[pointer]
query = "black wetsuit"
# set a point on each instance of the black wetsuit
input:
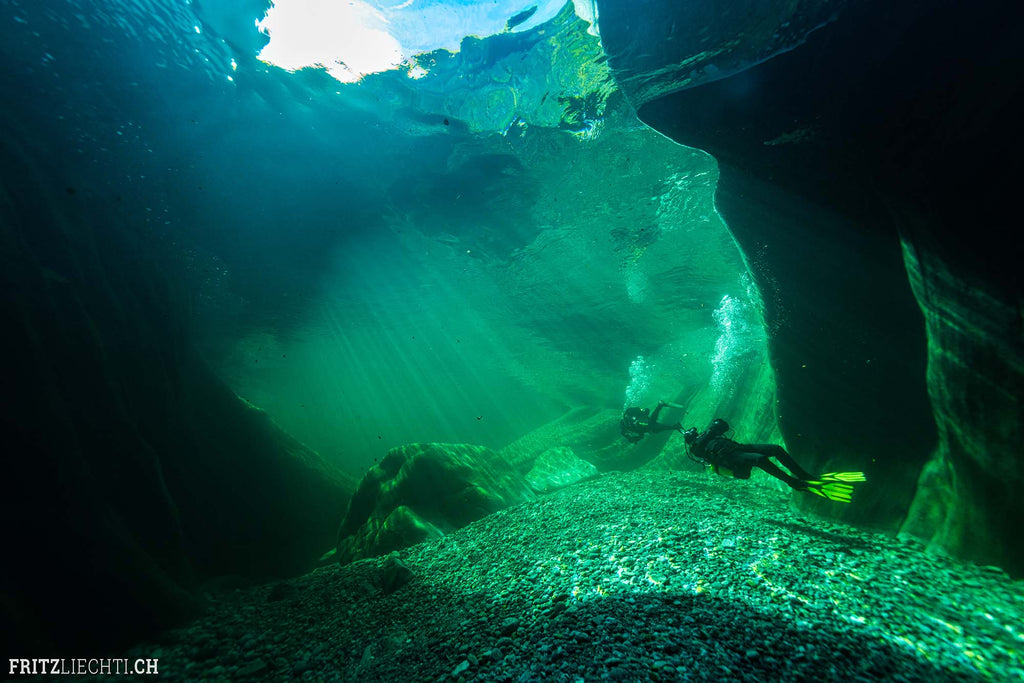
(740, 458)
(636, 422)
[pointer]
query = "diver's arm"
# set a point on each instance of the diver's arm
(663, 404)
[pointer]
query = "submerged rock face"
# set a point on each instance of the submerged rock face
(968, 497)
(557, 468)
(422, 491)
(591, 434)
(131, 472)
(887, 124)
(716, 38)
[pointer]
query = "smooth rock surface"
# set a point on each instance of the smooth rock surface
(557, 468)
(422, 491)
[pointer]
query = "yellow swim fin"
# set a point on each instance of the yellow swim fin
(833, 490)
(843, 476)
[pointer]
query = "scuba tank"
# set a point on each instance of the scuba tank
(715, 430)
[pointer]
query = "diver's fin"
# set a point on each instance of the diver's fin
(833, 490)
(843, 476)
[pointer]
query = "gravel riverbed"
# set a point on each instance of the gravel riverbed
(630, 577)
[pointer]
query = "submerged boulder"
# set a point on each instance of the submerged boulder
(557, 468)
(422, 491)
(591, 433)
(400, 528)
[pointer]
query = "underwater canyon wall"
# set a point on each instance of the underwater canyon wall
(132, 474)
(868, 158)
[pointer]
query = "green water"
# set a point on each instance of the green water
(493, 299)
(521, 240)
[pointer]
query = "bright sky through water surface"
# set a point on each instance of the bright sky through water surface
(352, 38)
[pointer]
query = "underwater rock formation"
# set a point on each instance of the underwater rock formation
(132, 473)
(827, 162)
(557, 468)
(968, 494)
(592, 434)
(422, 491)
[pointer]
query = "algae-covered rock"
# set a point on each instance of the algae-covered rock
(557, 468)
(421, 491)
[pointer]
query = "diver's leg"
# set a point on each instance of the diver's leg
(770, 467)
(780, 454)
(654, 415)
(739, 463)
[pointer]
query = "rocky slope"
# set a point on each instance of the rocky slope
(639, 576)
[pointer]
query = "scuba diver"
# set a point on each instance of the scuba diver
(636, 422)
(729, 458)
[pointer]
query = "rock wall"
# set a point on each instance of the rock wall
(888, 125)
(967, 498)
(131, 473)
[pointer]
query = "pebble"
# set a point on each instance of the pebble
(509, 626)
(253, 668)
